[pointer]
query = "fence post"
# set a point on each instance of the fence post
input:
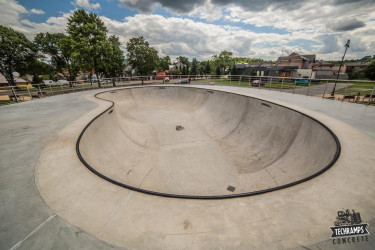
(294, 89)
(28, 91)
(282, 84)
(239, 80)
(50, 89)
(347, 85)
(372, 93)
(324, 93)
(40, 91)
(271, 83)
(14, 94)
(308, 88)
(62, 91)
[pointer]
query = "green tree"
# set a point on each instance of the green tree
(37, 68)
(233, 69)
(218, 70)
(184, 70)
(164, 63)
(194, 67)
(111, 57)
(208, 68)
(370, 70)
(183, 60)
(16, 52)
(223, 60)
(59, 49)
(89, 37)
(141, 56)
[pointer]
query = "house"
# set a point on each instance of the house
(128, 70)
(327, 70)
(295, 59)
(17, 80)
(356, 65)
(176, 66)
(254, 68)
(162, 74)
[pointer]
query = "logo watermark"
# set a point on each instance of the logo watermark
(349, 228)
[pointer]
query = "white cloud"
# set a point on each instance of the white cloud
(36, 11)
(175, 36)
(86, 4)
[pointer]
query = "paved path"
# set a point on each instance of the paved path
(26, 222)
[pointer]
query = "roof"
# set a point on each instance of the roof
(361, 63)
(16, 79)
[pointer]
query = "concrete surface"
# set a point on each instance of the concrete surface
(82, 211)
(25, 128)
(227, 140)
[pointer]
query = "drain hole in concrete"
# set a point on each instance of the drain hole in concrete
(231, 188)
(179, 127)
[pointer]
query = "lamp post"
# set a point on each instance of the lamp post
(347, 45)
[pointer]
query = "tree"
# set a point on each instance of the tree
(16, 51)
(141, 56)
(194, 67)
(88, 34)
(37, 68)
(183, 60)
(233, 69)
(208, 68)
(184, 71)
(164, 63)
(370, 70)
(223, 60)
(112, 57)
(59, 49)
(218, 70)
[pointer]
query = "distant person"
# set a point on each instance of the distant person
(189, 79)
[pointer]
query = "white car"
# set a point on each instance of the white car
(62, 82)
(49, 82)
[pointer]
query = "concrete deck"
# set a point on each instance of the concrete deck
(70, 207)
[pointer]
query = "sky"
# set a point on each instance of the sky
(263, 29)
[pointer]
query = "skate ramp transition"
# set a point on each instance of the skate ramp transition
(197, 143)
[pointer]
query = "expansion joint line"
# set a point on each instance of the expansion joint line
(16, 246)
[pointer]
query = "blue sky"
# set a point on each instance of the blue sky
(201, 28)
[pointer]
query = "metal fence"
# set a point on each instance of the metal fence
(358, 91)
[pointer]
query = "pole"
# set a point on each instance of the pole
(347, 45)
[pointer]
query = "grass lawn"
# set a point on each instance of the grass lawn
(6, 102)
(274, 85)
(364, 88)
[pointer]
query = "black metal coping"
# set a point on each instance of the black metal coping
(206, 197)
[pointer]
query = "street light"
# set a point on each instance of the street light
(347, 45)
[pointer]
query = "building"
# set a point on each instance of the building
(356, 65)
(176, 66)
(295, 59)
(327, 70)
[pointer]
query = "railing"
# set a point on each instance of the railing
(356, 91)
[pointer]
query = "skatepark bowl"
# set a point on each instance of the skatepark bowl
(195, 143)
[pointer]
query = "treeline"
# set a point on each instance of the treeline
(223, 63)
(87, 47)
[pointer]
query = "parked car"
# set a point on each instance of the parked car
(183, 81)
(49, 82)
(302, 82)
(257, 83)
(62, 82)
